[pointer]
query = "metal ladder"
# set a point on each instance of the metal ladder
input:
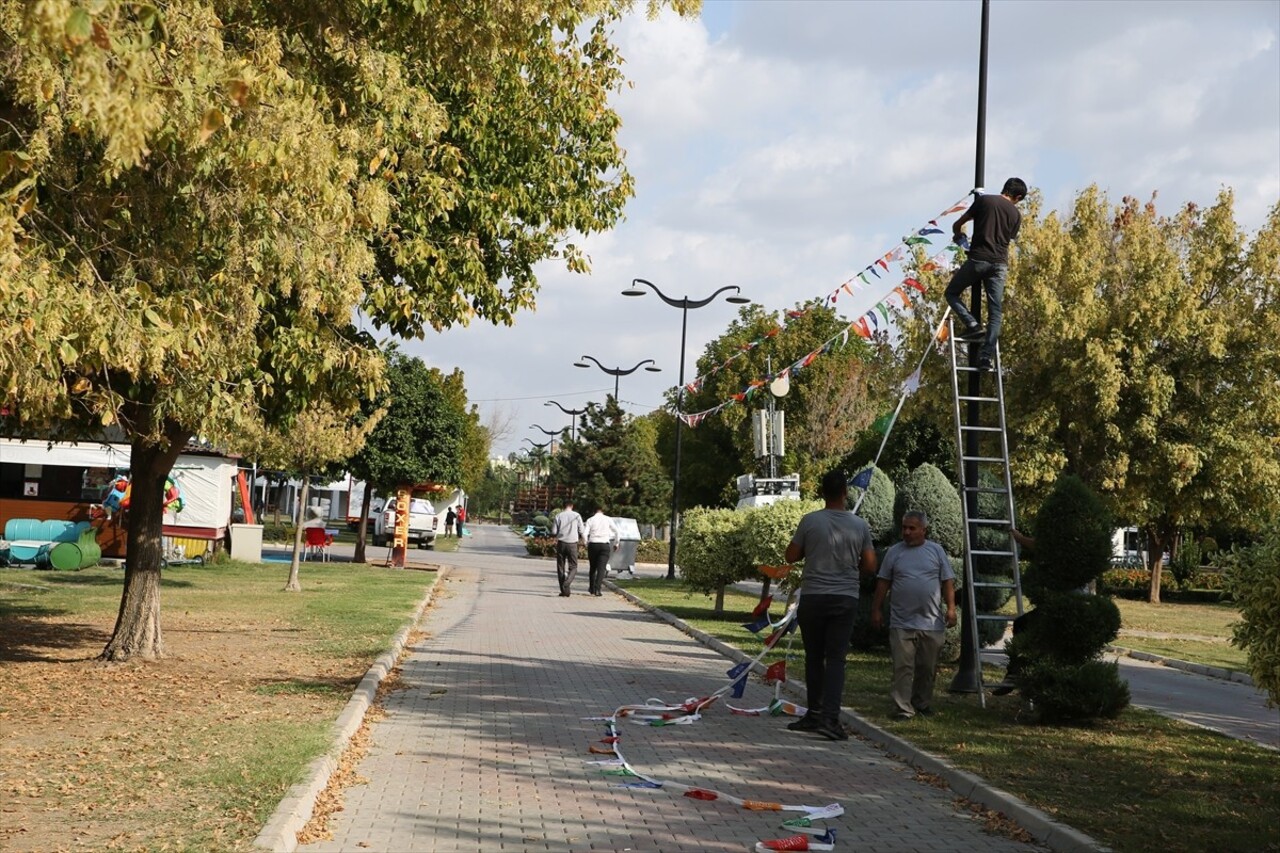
(986, 459)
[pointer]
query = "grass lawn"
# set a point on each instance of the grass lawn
(1201, 633)
(194, 751)
(1138, 783)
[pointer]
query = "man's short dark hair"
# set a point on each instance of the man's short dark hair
(834, 485)
(1015, 188)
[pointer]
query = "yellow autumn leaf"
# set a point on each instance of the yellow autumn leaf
(213, 119)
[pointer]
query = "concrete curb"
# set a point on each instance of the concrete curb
(1052, 833)
(280, 834)
(1186, 666)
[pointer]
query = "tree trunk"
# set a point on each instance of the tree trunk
(1157, 540)
(137, 631)
(293, 585)
(362, 532)
(720, 600)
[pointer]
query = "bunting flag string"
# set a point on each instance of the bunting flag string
(657, 713)
(852, 285)
(864, 326)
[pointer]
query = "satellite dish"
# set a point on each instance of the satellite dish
(780, 386)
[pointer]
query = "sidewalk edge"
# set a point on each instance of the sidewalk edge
(1218, 672)
(280, 833)
(1048, 831)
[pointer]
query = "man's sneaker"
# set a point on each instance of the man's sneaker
(925, 712)
(804, 724)
(831, 731)
(972, 333)
(983, 363)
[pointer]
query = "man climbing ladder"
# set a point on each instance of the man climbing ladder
(995, 224)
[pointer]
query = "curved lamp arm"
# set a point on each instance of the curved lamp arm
(570, 412)
(686, 302)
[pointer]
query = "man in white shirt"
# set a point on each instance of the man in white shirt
(568, 530)
(602, 537)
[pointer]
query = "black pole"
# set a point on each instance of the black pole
(675, 486)
(968, 677)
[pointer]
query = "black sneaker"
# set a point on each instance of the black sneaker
(983, 363)
(831, 731)
(972, 333)
(925, 712)
(804, 724)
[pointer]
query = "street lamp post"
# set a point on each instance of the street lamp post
(617, 372)
(546, 431)
(684, 305)
(573, 413)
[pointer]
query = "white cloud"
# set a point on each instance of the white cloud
(796, 142)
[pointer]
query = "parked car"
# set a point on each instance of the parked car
(422, 522)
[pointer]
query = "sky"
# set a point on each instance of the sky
(783, 146)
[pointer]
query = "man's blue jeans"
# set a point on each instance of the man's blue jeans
(991, 277)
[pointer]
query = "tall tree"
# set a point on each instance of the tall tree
(830, 400)
(419, 440)
(195, 198)
(614, 465)
(318, 436)
(473, 450)
(1142, 353)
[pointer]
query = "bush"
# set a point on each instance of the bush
(1068, 628)
(545, 546)
(1066, 693)
(1073, 538)
(710, 549)
(928, 489)
(767, 530)
(1253, 578)
(877, 508)
(653, 551)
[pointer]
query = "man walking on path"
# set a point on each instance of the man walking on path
(919, 574)
(996, 220)
(569, 531)
(602, 538)
(834, 544)
(449, 518)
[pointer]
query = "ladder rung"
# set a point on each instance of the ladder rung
(960, 368)
(989, 490)
(996, 617)
(996, 585)
(988, 521)
(982, 458)
(991, 553)
(980, 399)
(980, 429)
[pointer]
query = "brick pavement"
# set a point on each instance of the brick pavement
(486, 750)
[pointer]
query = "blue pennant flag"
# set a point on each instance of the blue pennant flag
(759, 625)
(738, 669)
(739, 687)
(862, 479)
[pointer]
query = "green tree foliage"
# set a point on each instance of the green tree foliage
(1253, 578)
(1141, 353)
(614, 464)
(829, 404)
(418, 441)
(711, 550)
(473, 446)
(1147, 351)
(1073, 538)
(767, 530)
(196, 197)
(876, 508)
(1055, 660)
(928, 489)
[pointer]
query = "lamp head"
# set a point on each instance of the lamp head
(580, 364)
(737, 299)
(652, 369)
(633, 291)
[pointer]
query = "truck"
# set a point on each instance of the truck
(762, 491)
(423, 522)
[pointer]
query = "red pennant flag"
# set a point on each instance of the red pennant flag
(763, 607)
(860, 326)
(776, 672)
(911, 282)
(956, 209)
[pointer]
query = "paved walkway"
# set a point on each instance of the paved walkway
(485, 748)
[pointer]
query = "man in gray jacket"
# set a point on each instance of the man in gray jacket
(569, 531)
